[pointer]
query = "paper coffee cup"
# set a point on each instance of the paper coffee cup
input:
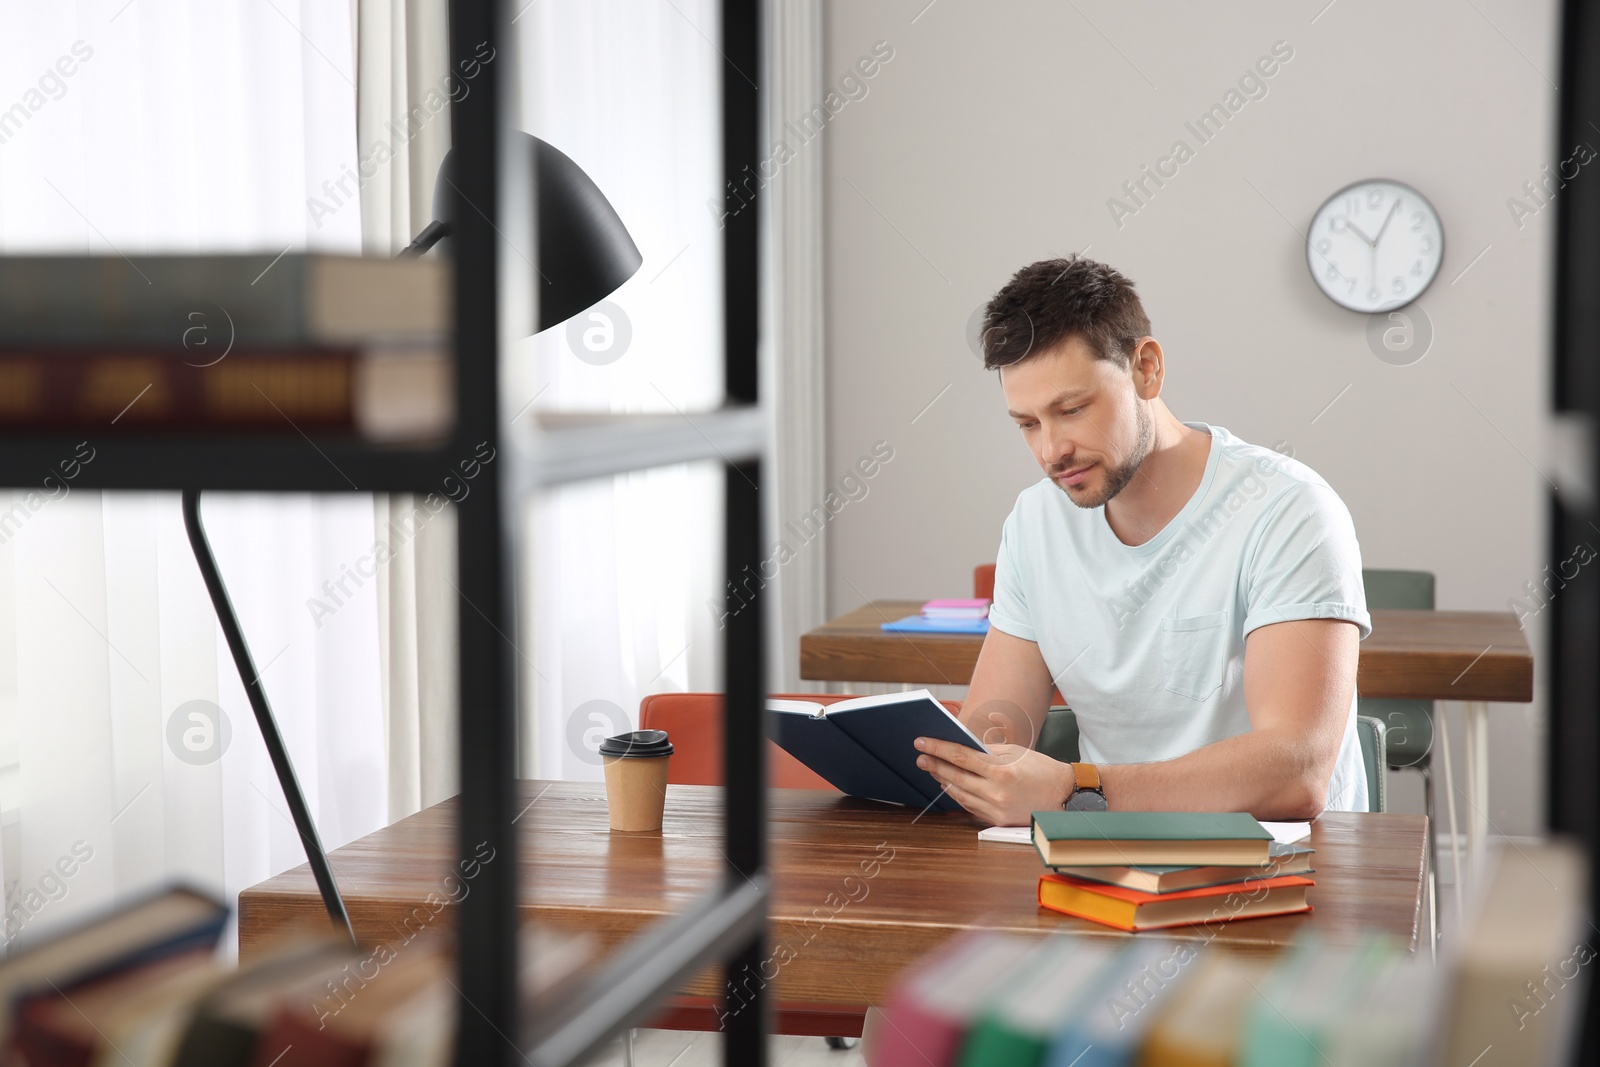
(636, 778)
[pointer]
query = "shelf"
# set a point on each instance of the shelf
(629, 989)
(575, 448)
(230, 464)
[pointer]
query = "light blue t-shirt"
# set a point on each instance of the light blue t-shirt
(1146, 642)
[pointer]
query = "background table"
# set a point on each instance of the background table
(1470, 656)
(849, 931)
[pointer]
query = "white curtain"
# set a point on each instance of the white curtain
(403, 128)
(623, 569)
(182, 126)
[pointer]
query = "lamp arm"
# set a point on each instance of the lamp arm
(431, 234)
(276, 750)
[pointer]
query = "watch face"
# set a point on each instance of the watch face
(1375, 246)
(1086, 800)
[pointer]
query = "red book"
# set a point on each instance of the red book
(1130, 909)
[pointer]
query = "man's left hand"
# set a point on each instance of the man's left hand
(1004, 786)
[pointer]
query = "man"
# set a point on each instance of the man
(1196, 599)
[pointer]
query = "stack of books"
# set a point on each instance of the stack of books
(1139, 870)
(143, 986)
(946, 616)
(283, 344)
(1495, 998)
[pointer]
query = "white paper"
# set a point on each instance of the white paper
(1011, 835)
(1285, 833)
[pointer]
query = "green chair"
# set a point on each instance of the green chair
(1408, 723)
(1374, 760)
(1059, 738)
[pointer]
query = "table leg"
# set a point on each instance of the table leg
(1478, 787)
(1441, 723)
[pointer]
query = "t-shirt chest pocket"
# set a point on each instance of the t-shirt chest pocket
(1194, 653)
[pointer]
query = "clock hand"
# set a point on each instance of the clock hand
(1352, 227)
(1386, 219)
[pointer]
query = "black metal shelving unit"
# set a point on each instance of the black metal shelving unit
(1573, 669)
(729, 924)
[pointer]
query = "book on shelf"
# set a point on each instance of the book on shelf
(1394, 1020)
(1522, 958)
(1294, 1020)
(865, 747)
(381, 393)
(1021, 1021)
(201, 303)
(1283, 859)
(147, 930)
(1131, 910)
(227, 1022)
(1133, 838)
(1110, 1030)
(352, 1021)
(134, 1017)
(1367, 1001)
(1204, 1024)
(930, 1010)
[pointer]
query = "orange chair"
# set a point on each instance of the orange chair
(983, 588)
(983, 581)
(694, 723)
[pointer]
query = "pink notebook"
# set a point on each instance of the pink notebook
(976, 608)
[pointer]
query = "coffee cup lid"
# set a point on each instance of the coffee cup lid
(640, 744)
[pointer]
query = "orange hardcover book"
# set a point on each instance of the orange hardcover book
(1130, 909)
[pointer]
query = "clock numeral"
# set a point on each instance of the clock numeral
(1374, 199)
(1416, 268)
(1352, 205)
(1323, 245)
(1352, 282)
(1427, 245)
(1373, 294)
(1416, 222)
(1338, 224)
(1333, 272)
(1399, 286)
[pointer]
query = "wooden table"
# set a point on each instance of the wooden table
(850, 931)
(1470, 656)
(1421, 655)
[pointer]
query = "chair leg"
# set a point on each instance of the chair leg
(627, 1047)
(1433, 863)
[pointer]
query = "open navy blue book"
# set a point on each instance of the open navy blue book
(864, 747)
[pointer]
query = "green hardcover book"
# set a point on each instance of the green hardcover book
(1017, 1028)
(1296, 1018)
(1165, 838)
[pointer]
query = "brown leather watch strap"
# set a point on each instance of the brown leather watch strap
(1086, 775)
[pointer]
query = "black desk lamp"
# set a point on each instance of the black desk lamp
(590, 255)
(579, 232)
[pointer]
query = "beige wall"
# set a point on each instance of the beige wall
(995, 136)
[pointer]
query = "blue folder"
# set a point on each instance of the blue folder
(916, 624)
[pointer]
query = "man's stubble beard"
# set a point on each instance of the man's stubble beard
(1118, 478)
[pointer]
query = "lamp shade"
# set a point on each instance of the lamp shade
(585, 251)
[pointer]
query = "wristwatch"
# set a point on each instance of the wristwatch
(1087, 796)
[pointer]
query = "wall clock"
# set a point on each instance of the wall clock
(1375, 245)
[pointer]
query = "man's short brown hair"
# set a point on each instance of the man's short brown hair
(1046, 302)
